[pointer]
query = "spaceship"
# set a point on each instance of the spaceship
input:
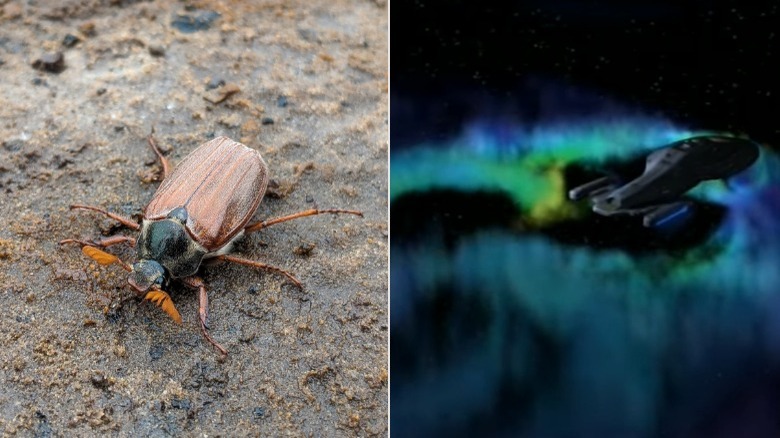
(670, 172)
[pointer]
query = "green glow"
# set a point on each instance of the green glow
(532, 176)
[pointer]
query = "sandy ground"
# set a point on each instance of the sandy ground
(79, 354)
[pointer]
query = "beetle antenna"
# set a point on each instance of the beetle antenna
(104, 258)
(162, 299)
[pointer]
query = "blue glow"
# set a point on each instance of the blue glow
(646, 345)
(676, 215)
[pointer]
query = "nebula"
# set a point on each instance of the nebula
(505, 330)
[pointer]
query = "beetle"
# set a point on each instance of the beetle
(198, 212)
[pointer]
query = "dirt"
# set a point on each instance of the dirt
(303, 83)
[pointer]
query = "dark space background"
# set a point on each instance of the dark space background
(711, 65)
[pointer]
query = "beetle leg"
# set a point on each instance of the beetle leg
(257, 226)
(203, 310)
(163, 161)
(123, 220)
(103, 243)
(259, 265)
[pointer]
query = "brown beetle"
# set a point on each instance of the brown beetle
(197, 213)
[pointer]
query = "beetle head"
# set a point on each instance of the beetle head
(146, 274)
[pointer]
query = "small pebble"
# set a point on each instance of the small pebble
(258, 412)
(100, 381)
(180, 404)
(157, 51)
(281, 101)
(114, 315)
(215, 83)
(268, 121)
(50, 62)
(304, 250)
(70, 40)
(193, 23)
(101, 91)
(246, 337)
(88, 29)
(156, 352)
(252, 290)
(38, 81)
(308, 34)
(13, 145)
(44, 428)
(219, 96)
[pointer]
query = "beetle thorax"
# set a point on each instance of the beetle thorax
(168, 243)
